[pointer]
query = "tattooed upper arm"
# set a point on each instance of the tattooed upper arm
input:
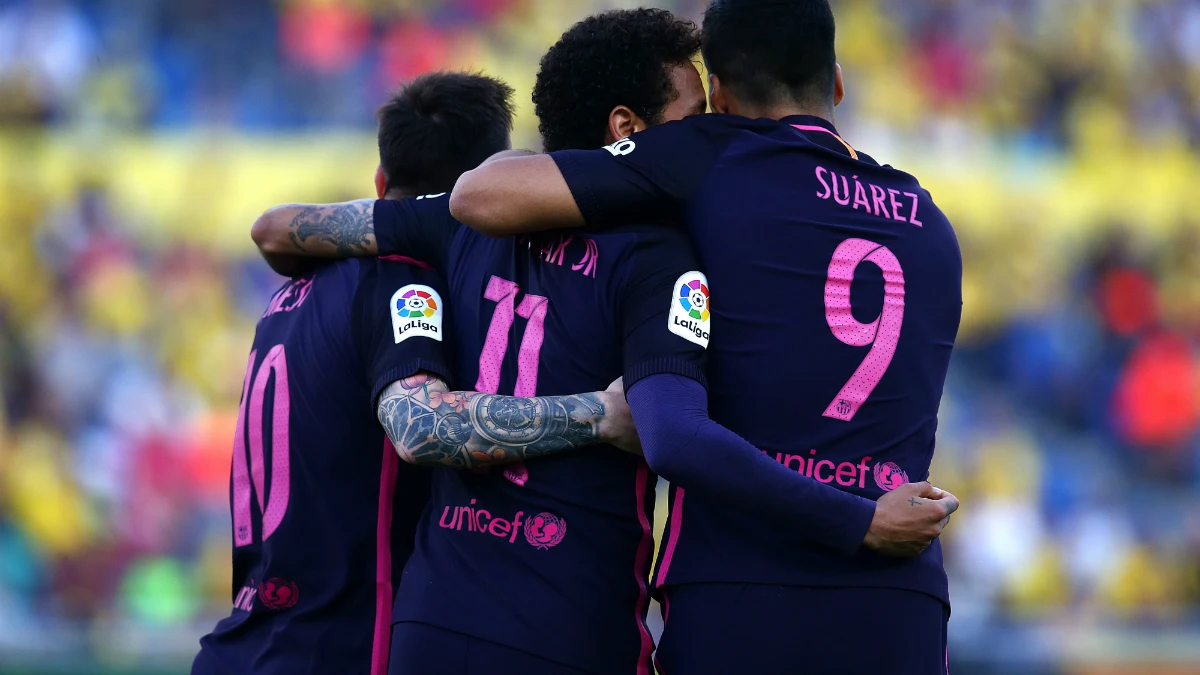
(334, 230)
(431, 425)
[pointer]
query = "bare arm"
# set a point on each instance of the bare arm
(431, 425)
(342, 230)
(511, 196)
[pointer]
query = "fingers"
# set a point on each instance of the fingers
(617, 385)
(924, 489)
(950, 502)
(946, 500)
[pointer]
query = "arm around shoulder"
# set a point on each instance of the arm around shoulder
(341, 230)
(504, 197)
(683, 445)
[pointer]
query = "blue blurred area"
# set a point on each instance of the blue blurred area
(139, 138)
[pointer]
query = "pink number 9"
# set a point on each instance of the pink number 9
(883, 334)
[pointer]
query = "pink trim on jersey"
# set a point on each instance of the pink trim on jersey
(407, 261)
(380, 648)
(666, 615)
(672, 537)
(243, 531)
(806, 127)
(639, 570)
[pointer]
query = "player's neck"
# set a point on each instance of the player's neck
(780, 111)
(403, 193)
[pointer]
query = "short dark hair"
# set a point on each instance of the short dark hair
(770, 51)
(441, 125)
(622, 57)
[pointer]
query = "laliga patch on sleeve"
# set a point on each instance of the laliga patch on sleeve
(689, 318)
(416, 312)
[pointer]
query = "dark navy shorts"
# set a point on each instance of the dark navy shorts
(421, 649)
(719, 629)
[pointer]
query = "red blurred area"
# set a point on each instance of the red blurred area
(1127, 301)
(327, 38)
(1155, 402)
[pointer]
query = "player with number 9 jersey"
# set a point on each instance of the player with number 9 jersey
(837, 288)
(838, 280)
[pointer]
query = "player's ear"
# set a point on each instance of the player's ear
(839, 86)
(622, 123)
(716, 96)
(380, 182)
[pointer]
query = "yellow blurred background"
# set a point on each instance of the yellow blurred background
(139, 139)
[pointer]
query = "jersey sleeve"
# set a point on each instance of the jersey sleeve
(664, 311)
(648, 177)
(400, 323)
(419, 229)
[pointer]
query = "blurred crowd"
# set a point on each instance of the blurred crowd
(1061, 136)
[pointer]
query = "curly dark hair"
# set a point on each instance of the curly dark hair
(622, 57)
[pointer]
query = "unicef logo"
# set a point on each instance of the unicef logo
(545, 530)
(889, 476)
(416, 304)
(279, 594)
(693, 297)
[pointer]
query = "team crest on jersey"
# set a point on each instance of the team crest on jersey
(416, 312)
(691, 309)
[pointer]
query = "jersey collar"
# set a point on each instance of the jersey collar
(810, 121)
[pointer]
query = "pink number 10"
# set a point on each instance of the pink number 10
(250, 414)
(882, 334)
(533, 308)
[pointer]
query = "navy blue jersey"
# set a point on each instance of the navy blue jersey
(551, 557)
(324, 512)
(838, 289)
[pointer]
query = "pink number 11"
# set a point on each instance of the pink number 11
(533, 308)
(883, 334)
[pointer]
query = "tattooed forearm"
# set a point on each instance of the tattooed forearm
(334, 230)
(430, 425)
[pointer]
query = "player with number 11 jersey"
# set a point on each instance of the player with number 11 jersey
(549, 558)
